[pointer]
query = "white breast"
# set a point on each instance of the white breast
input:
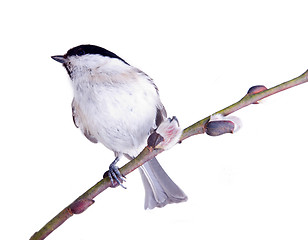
(119, 109)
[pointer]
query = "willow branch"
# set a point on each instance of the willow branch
(199, 127)
(86, 199)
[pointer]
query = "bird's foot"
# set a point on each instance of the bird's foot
(115, 175)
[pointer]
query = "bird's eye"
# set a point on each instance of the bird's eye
(80, 52)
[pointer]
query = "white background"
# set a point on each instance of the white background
(203, 56)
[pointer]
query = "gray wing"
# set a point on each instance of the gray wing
(161, 114)
(80, 122)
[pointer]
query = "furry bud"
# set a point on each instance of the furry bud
(216, 128)
(154, 139)
(220, 124)
(80, 205)
(256, 89)
(169, 133)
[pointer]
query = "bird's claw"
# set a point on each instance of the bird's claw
(115, 174)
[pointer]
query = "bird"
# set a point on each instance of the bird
(119, 106)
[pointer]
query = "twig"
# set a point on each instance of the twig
(86, 199)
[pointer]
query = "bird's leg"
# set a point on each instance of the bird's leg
(115, 174)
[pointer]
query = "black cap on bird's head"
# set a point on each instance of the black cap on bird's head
(84, 50)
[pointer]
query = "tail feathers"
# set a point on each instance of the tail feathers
(160, 190)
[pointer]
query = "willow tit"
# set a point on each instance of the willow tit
(118, 105)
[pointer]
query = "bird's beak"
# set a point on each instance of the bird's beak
(59, 58)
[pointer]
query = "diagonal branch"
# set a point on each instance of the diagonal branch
(248, 99)
(86, 199)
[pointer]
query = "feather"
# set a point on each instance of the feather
(160, 190)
